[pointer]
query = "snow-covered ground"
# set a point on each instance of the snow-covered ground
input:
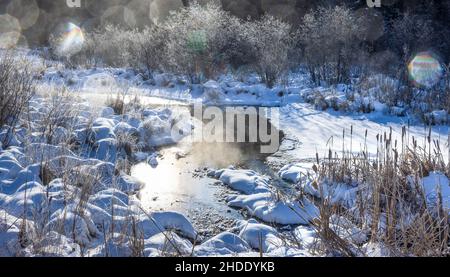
(318, 131)
(314, 130)
(76, 199)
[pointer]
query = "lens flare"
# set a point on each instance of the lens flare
(72, 40)
(425, 70)
(10, 31)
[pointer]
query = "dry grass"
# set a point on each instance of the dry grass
(391, 206)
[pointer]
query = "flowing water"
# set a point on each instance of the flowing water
(180, 183)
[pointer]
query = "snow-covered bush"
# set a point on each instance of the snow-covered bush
(147, 51)
(58, 120)
(196, 40)
(271, 42)
(331, 38)
(109, 45)
(16, 89)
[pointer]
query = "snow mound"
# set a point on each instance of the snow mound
(245, 181)
(433, 184)
(306, 235)
(376, 249)
(54, 245)
(266, 208)
(293, 173)
(347, 230)
(167, 221)
(67, 223)
(167, 244)
(336, 193)
(225, 243)
(259, 236)
(9, 234)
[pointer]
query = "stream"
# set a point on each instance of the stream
(179, 181)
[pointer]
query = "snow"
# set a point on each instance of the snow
(167, 244)
(175, 221)
(259, 236)
(55, 245)
(320, 131)
(246, 181)
(437, 117)
(59, 222)
(9, 234)
(66, 222)
(225, 243)
(335, 193)
(347, 230)
(375, 249)
(434, 184)
(295, 173)
(306, 235)
(270, 210)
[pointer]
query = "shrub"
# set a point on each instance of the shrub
(196, 39)
(109, 45)
(59, 118)
(410, 34)
(147, 50)
(16, 89)
(116, 103)
(331, 40)
(271, 42)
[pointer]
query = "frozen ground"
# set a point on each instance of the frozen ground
(58, 199)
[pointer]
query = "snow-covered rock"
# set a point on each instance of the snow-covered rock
(67, 223)
(175, 221)
(377, 249)
(336, 193)
(127, 184)
(123, 128)
(107, 112)
(293, 173)
(105, 150)
(437, 117)
(306, 235)
(103, 128)
(259, 236)
(245, 181)
(44, 152)
(225, 243)
(268, 209)
(167, 244)
(212, 92)
(166, 221)
(10, 245)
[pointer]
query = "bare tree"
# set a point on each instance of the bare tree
(331, 39)
(271, 41)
